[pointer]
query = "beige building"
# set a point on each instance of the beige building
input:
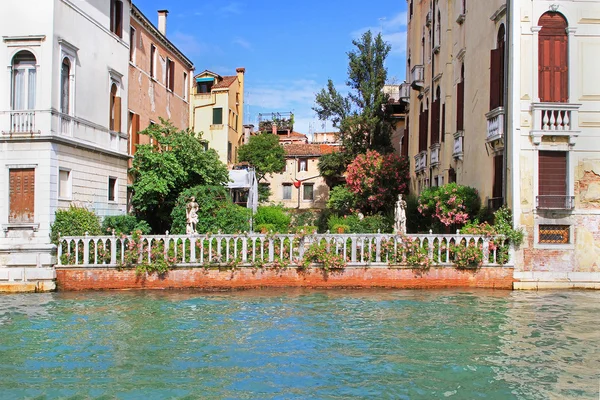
(504, 98)
(159, 78)
(217, 110)
(300, 185)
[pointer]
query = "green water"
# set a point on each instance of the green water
(299, 344)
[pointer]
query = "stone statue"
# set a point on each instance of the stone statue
(400, 216)
(191, 215)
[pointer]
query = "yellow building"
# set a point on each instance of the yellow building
(217, 110)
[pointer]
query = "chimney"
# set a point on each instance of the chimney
(162, 21)
(248, 129)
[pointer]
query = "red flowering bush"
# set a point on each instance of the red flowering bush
(377, 179)
(449, 205)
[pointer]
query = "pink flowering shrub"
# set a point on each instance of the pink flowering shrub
(449, 205)
(377, 179)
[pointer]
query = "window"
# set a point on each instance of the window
(24, 81)
(553, 59)
(308, 191)
(64, 184)
(497, 72)
(21, 195)
(115, 109)
(116, 17)
(132, 45)
(302, 164)
(552, 180)
(287, 191)
(423, 127)
(554, 234)
(203, 87)
(217, 116)
(229, 152)
(134, 128)
(112, 189)
(152, 61)
(460, 100)
(185, 86)
(435, 117)
(170, 83)
(65, 86)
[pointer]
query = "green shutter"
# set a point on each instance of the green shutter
(217, 116)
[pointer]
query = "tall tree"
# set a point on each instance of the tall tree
(264, 153)
(361, 116)
(176, 160)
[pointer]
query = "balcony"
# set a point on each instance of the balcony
(420, 162)
(495, 125)
(66, 124)
(276, 122)
(417, 77)
(405, 92)
(457, 150)
(434, 155)
(22, 122)
(555, 119)
(555, 202)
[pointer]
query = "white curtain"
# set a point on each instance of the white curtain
(31, 90)
(19, 89)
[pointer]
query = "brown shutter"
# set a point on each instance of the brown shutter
(553, 59)
(435, 122)
(423, 122)
(498, 172)
(443, 125)
(172, 75)
(22, 192)
(405, 138)
(117, 111)
(119, 18)
(135, 137)
(495, 79)
(552, 172)
(112, 15)
(460, 105)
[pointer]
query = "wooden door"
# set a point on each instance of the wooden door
(22, 190)
(553, 59)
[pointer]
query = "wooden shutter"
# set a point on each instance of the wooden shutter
(435, 122)
(423, 122)
(443, 125)
(119, 18)
(498, 172)
(405, 138)
(112, 15)
(460, 105)
(22, 191)
(496, 70)
(172, 75)
(117, 112)
(135, 128)
(553, 59)
(552, 172)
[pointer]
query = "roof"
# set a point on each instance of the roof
(226, 82)
(315, 150)
(293, 136)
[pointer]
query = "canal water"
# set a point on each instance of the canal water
(301, 344)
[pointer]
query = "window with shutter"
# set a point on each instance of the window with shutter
(21, 195)
(552, 180)
(217, 116)
(460, 101)
(553, 83)
(423, 128)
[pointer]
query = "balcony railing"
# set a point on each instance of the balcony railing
(555, 119)
(457, 150)
(66, 125)
(495, 124)
(405, 92)
(417, 76)
(421, 162)
(435, 155)
(555, 202)
(22, 122)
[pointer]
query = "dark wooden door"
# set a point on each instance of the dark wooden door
(553, 59)
(22, 190)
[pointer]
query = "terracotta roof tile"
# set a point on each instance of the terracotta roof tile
(225, 83)
(316, 150)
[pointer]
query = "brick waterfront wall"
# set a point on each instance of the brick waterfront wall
(214, 278)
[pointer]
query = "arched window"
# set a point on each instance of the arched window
(439, 28)
(460, 100)
(553, 57)
(65, 86)
(23, 81)
(115, 109)
(497, 71)
(435, 117)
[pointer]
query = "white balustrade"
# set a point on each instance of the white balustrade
(417, 75)
(435, 155)
(22, 122)
(457, 150)
(66, 125)
(280, 250)
(555, 117)
(421, 161)
(495, 124)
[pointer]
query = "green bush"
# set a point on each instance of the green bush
(415, 222)
(350, 221)
(264, 228)
(75, 221)
(124, 224)
(376, 223)
(341, 200)
(216, 211)
(449, 207)
(340, 228)
(302, 218)
(305, 229)
(275, 215)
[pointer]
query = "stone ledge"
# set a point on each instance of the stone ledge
(27, 287)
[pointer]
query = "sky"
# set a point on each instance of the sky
(289, 49)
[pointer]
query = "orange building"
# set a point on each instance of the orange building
(159, 78)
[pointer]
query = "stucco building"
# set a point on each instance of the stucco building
(217, 111)
(504, 98)
(159, 78)
(63, 133)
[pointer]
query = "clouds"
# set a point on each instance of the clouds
(233, 8)
(191, 46)
(393, 30)
(242, 43)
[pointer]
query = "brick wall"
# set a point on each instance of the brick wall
(214, 278)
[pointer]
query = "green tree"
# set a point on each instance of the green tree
(177, 160)
(264, 153)
(361, 116)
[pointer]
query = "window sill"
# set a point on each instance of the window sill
(65, 199)
(20, 226)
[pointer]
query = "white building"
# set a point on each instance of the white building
(62, 138)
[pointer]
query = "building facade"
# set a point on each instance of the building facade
(301, 186)
(503, 98)
(159, 78)
(217, 111)
(63, 136)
